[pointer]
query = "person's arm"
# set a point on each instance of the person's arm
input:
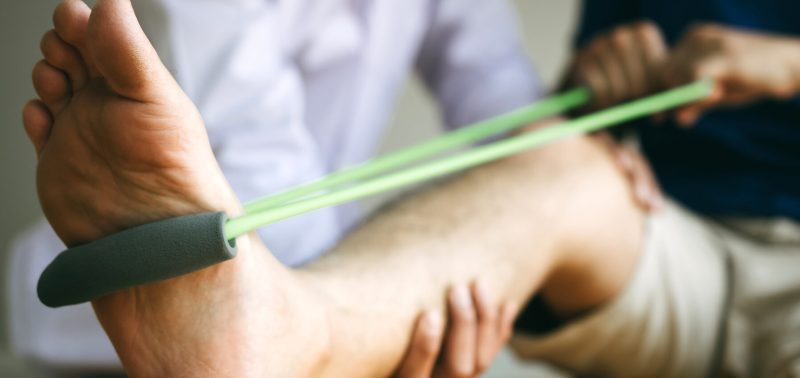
(620, 59)
(473, 62)
(746, 66)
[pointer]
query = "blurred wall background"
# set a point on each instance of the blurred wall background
(547, 26)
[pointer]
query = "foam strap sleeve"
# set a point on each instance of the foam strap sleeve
(143, 254)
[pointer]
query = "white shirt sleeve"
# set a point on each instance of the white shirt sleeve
(473, 62)
(242, 77)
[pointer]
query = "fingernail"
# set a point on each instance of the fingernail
(461, 297)
(433, 322)
(481, 291)
(511, 310)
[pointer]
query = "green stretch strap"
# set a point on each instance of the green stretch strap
(147, 253)
(480, 155)
(173, 247)
(462, 137)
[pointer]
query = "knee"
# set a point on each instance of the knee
(599, 224)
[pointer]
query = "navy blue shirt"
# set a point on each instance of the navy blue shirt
(739, 162)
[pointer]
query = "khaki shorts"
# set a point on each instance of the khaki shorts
(709, 297)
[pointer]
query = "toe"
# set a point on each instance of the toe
(71, 20)
(122, 53)
(51, 85)
(38, 122)
(65, 57)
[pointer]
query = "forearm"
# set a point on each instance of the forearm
(503, 222)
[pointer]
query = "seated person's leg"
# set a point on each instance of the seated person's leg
(669, 321)
(121, 135)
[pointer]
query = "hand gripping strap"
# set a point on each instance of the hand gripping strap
(147, 253)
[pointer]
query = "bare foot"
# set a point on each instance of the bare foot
(120, 144)
(135, 147)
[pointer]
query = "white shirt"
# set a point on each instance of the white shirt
(291, 90)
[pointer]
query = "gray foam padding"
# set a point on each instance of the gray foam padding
(143, 254)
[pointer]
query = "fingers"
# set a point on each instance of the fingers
(653, 49)
(691, 57)
(622, 64)
(424, 349)
(461, 342)
(688, 115)
(610, 60)
(487, 336)
(476, 334)
(508, 314)
(589, 73)
(699, 55)
(477, 331)
(38, 121)
(624, 42)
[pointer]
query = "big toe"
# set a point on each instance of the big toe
(122, 53)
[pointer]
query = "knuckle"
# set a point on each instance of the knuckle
(645, 26)
(619, 38)
(464, 316)
(649, 32)
(466, 320)
(597, 46)
(489, 317)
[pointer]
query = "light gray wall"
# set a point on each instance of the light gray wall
(546, 25)
(22, 24)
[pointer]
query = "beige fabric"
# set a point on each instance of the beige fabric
(764, 326)
(706, 293)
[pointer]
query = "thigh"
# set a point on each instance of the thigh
(665, 322)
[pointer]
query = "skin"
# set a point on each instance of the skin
(476, 332)
(119, 144)
(633, 59)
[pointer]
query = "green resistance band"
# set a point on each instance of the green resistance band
(464, 136)
(176, 246)
(477, 156)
